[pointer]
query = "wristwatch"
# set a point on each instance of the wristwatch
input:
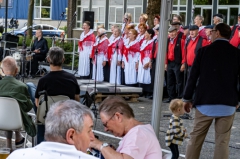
(104, 145)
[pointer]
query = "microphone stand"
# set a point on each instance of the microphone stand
(54, 36)
(94, 107)
(69, 26)
(116, 51)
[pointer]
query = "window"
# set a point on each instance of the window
(229, 2)
(42, 9)
(36, 27)
(45, 27)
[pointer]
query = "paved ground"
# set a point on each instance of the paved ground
(143, 109)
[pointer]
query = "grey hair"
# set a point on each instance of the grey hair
(101, 30)
(219, 19)
(56, 56)
(64, 115)
(200, 18)
(9, 65)
(129, 16)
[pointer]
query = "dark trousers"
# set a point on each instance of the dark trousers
(174, 150)
(174, 79)
(34, 62)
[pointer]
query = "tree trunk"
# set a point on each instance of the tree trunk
(71, 22)
(30, 17)
(152, 10)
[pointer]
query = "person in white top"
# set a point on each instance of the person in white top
(139, 140)
(68, 134)
(111, 38)
(85, 45)
(142, 29)
(130, 58)
(115, 56)
(127, 19)
(142, 20)
(100, 58)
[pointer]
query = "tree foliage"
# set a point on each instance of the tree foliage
(152, 10)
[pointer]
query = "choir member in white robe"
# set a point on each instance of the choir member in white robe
(115, 56)
(111, 38)
(145, 59)
(130, 58)
(127, 19)
(142, 29)
(142, 20)
(100, 60)
(156, 21)
(85, 45)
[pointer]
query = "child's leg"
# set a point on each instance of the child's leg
(174, 150)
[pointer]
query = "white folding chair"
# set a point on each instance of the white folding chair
(42, 111)
(10, 116)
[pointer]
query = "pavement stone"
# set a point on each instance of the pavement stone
(143, 111)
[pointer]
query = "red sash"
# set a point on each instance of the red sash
(132, 50)
(90, 38)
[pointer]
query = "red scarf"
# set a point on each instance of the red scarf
(90, 38)
(132, 50)
(148, 48)
(101, 47)
(113, 46)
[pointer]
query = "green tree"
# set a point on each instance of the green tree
(153, 9)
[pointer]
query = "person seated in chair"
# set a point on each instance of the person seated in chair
(40, 48)
(56, 82)
(12, 88)
(68, 133)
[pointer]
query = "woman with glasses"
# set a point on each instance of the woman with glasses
(138, 140)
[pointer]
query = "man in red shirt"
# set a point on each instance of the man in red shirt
(174, 64)
(234, 38)
(193, 44)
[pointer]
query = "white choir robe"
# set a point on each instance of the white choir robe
(144, 75)
(84, 61)
(100, 58)
(114, 60)
(130, 68)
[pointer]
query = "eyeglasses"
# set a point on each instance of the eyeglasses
(105, 124)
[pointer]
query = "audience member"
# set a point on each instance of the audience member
(217, 18)
(139, 140)
(215, 81)
(12, 88)
(56, 82)
(68, 133)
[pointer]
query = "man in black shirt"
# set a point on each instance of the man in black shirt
(56, 82)
(40, 48)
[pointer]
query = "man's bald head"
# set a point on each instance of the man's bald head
(9, 65)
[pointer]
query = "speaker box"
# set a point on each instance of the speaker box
(89, 16)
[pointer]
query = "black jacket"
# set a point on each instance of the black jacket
(218, 67)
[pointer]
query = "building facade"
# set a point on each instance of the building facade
(45, 11)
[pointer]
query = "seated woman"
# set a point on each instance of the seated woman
(139, 140)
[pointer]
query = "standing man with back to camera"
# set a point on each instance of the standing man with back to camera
(40, 48)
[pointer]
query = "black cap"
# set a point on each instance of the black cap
(175, 23)
(185, 27)
(218, 15)
(209, 27)
(193, 27)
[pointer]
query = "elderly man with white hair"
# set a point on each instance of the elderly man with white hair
(100, 57)
(68, 133)
(217, 18)
(12, 88)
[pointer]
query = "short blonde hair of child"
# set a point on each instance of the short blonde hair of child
(175, 105)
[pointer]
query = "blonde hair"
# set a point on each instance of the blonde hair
(129, 16)
(175, 105)
(100, 26)
(145, 16)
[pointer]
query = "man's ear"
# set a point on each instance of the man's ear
(70, 136)
(63, 60)
(119, 116)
